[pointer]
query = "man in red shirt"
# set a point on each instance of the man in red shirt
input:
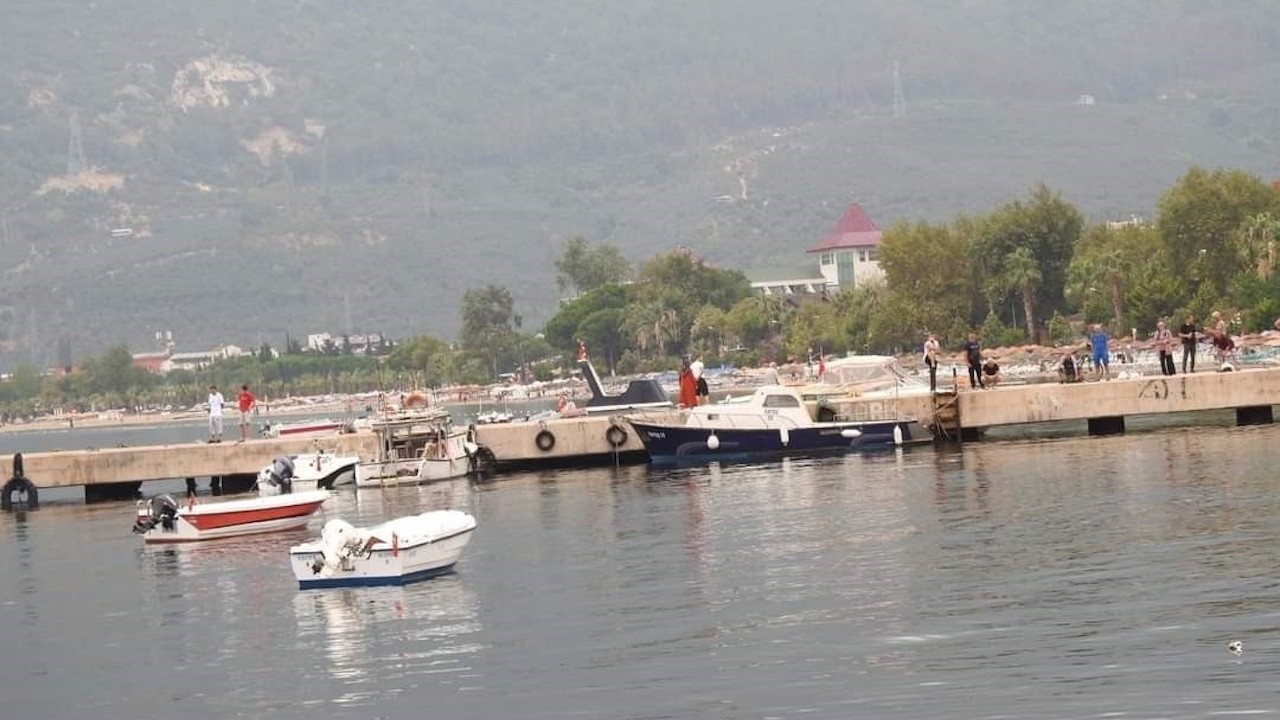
(245, 400)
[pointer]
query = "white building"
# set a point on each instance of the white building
(847, 255)
(846, 259)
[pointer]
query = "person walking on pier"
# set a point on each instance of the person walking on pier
(1164, 349)
(244, 401)
(973, 354)
(931, 359)
(215, 414)
(1187, 331)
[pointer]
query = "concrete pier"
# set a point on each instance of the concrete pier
(116, 472)
(1105, 404)
(586, 440)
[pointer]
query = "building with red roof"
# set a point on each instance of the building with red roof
(846, 259)
(847, 255)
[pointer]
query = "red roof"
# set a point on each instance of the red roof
(854, 230)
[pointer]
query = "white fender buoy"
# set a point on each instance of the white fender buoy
(784, 436)
(851, 433)
(713, 442)
(897, 434)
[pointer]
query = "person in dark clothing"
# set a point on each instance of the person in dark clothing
(973, 354)
(1187, 331)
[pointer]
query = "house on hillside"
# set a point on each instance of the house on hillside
(194, 361)
(153, 362)
(846, 259)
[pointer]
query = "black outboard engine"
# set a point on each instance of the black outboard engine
(282, 474)
(162, 510)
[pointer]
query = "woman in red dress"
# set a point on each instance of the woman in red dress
(688, 386)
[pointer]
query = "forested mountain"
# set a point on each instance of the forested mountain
(317, 165)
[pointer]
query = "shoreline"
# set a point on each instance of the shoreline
(1028, 363)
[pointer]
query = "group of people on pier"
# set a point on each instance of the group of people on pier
(984, 372)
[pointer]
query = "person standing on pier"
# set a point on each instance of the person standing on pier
(1187, 331)
(698, 368)
(973, 354)
(931, 359)
(1099, 352)
(1164, 348)
(245, 401)
(215, 414)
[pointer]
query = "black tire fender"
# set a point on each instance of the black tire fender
(616, 436)
(545, 440)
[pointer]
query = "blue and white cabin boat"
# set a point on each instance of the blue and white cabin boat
(773, 421)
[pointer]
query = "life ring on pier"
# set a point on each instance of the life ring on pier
(545, 440)
(616, 436)
(21, 485)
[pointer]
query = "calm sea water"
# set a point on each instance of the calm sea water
(1061, 578)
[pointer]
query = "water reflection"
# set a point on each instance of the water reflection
(379, 641)
(394, 501)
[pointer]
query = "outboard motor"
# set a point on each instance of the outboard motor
(162, 510)
(339, 540)
(282, 474)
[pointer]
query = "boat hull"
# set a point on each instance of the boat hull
(313, 471)
(683, 443)
(237, 518)
(396, 563)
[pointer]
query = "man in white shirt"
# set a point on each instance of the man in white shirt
(215, 414)
(931, 349)
(704, 393)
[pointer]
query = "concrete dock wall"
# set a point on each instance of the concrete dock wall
(1024, 404)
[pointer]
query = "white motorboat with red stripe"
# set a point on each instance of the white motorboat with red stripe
(162, 520)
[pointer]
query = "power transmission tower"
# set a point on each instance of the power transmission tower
(34, 356)
(899, 101)
(346, 313)
(76, 162)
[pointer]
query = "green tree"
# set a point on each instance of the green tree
(1022, 275)
(1200, 217)
(1026, 247)
(488, 315)
(929, 279)
(583, 268)
(1256, 243)
(1125, 270)
(602, 330)
(562, 329)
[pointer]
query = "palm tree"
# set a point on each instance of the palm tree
(1022, 273)
(1257, 243)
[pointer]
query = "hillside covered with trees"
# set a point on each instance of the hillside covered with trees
(237, 172)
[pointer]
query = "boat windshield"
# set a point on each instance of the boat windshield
(865, 374)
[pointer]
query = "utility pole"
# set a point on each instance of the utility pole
(76, 162)
(899, 100)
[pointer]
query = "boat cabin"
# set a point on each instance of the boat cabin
(411, 438)
(768, 406)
